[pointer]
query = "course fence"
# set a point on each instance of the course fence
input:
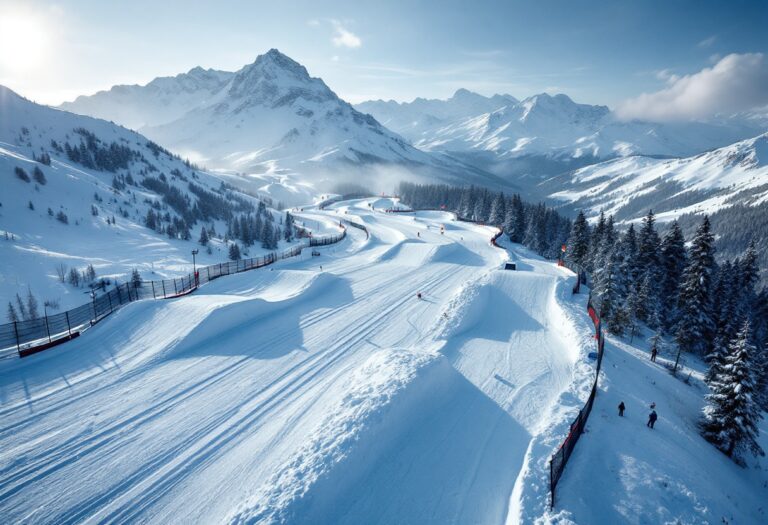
(34, 335)
(560, 458)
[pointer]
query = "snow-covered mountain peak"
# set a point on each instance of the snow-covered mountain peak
(162, 100)
(560, 106)
(275, 80)
(751, 154)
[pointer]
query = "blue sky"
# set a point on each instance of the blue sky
(597, 52)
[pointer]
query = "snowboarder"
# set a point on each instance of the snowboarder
(418, 234)
(652, 417)
(621, 409)
(418, 295)
(654, 351)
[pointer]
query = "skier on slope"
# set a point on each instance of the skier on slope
(652, 417)
(621, 409)
(418, 295)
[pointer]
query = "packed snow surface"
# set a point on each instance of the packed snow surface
(295, 394)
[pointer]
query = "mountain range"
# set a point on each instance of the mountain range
(289, 134)
(272, 121)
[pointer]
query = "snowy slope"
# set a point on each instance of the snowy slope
(33, 243)
(163, 100)
(300, 395)
(623, 472)
(628, 187)
(331, 396)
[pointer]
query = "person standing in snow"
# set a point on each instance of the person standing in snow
(653, 354)
(621, 409)
(652, 417)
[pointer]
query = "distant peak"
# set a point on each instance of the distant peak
(276, 57)
(461, 92)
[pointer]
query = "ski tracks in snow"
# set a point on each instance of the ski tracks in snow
(293, 395)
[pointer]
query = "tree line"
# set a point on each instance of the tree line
(710, 309)
(535, 226)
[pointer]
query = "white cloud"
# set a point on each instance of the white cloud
(736, 83)
(666, 75)
(342, 37)
(707, 42)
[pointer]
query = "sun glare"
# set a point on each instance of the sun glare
(23, 41)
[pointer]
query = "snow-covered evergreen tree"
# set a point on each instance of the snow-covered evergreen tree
(731, 413)
(498, 210)
(650, 271)
(595, 242)
(289, 226)
(13, 317)
(607, 289)
(696, 326)
(22, 308)
(673, 261)
(234, 252)
(747, 278)
(203, 240)
(32, 305)
(514, 221)
(578, 241)
(136, 279)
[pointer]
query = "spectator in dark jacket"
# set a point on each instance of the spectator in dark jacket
(652, 417)
(621, 409)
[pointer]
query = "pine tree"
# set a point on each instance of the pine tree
(696, 327)
(73, 277)
(761, 376)
(514, 220)
(39, 176)
(607, 283)
(266, 236)
(578, 241)
(21, 307)
(466, 206)
(91, 273)
(32, 305)
(650, 270)
(482, 206)
(203, 237)
(234, 252)
(595, 242)
(498, 210)
(673, 262)
(150, 221)
(716, 359)
(13, 317)
(136, 279)
(288, 227)
(747, 277)
(731, 414)
(628, 272)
